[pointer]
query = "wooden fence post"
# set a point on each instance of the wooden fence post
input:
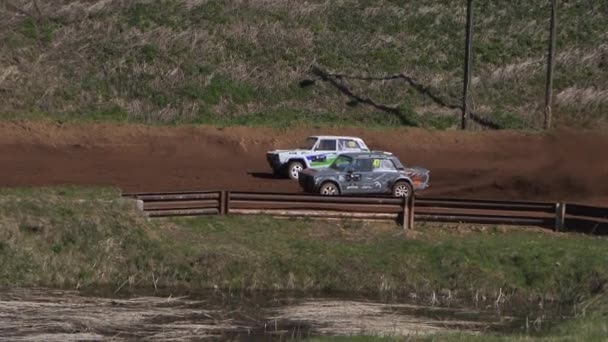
(410, 202)
(560, 217)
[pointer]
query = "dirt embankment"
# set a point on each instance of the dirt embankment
(560, 165)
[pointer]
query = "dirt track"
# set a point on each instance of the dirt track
(561, 165)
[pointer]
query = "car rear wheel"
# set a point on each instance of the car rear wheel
(402, 189)
(329, 189)
(293, 169)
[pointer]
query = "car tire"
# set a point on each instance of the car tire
(293, 169)
(329, 189)
(402, 189)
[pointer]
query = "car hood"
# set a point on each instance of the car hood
(310, 172)
(416, 170)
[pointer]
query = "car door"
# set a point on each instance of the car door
(358, 181)
(380, 179)
(375, 175)
(324, 154)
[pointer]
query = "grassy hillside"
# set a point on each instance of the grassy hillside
(217, 61)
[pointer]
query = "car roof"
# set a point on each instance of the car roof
(372, 154)
(333, 137)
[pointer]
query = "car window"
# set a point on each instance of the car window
(341, 163)
(348, 145)
(363, 165)
(397, 163)
(327, 145)
(383, 165)
(363, 146)
(310, 143)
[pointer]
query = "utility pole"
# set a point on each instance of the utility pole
(467, 65)
(550, 62)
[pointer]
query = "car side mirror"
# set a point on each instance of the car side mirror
(349, 169)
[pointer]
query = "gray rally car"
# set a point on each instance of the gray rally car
(365, 173)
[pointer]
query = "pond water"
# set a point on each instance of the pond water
(34, 314)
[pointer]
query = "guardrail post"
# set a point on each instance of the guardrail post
(408, 213)
(222, 203)
(560, 217)
(410, 202)
(226, 202)
(139, 204)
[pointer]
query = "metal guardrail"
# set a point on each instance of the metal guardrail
(168, 204)
(406, 211)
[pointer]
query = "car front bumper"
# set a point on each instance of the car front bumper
(307, 182)
(274, 161)
(421, 182)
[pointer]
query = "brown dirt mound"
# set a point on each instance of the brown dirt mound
(560, 165)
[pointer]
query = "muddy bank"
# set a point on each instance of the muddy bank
(32, 314)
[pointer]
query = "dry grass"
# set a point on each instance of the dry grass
(58, 315)
(53, 315)
(586, 98)
(347, 318)
(220, 61)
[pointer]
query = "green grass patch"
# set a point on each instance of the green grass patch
(269, 252)
(88, 237)
(53, 235)
(71, 237)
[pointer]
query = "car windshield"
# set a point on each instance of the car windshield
(309, 144)
(341, 163)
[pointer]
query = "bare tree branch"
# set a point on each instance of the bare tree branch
(336, 78)
(422, 89)
(37, 9)
(331, 78)
(483, 121)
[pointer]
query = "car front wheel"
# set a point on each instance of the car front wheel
(294, 169)
(329, 189)
(402, 189)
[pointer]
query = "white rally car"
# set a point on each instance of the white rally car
(318, 152)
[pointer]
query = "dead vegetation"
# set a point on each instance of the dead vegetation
(55, 315)
(60, 315)
(345, 317)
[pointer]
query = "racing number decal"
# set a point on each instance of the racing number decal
(376, 163)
